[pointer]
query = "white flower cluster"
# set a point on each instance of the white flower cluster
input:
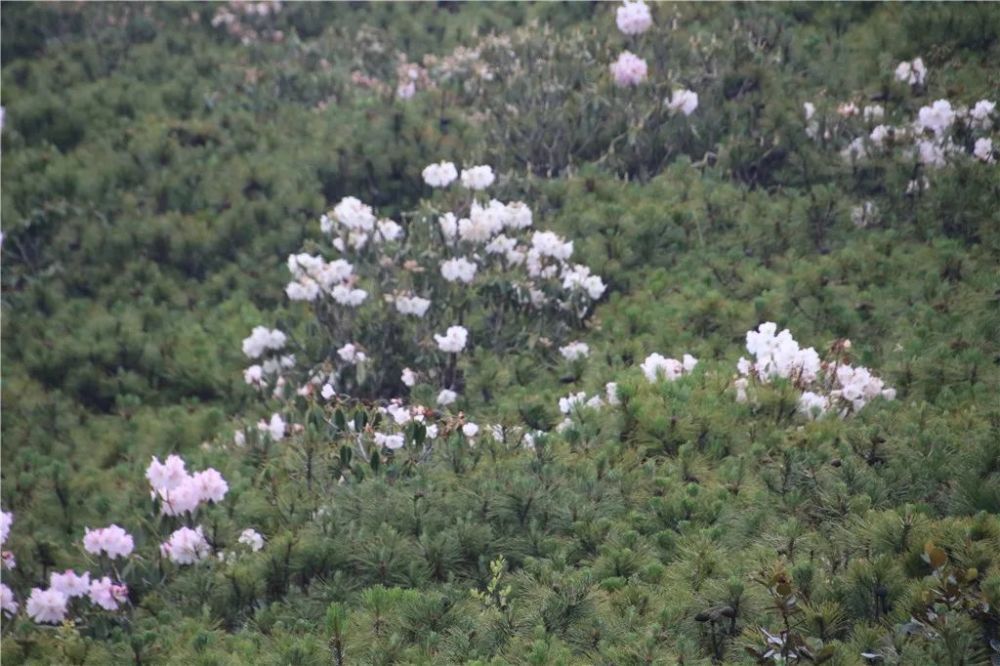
(352, 224)
(276, 428)
(578, 278)
(6, 520)
(492, 238)
(928, 139)
(912, 72)
(262, 340)
(180, 492)
(477, 177)
(577, 405)
(186, 546)
(391, 442)
(453, 341)
(112, 540)
(575, 350)
(628, 70)
(441, 174)
(49, 606)
(252, 539)
(633, 17)
(685, 101)
(656, 367)
(265, 342)
(312, 276)
(352, 354)
(575, 401)
(401, 414)
(412, 305)
(778, 355)
(840, 387)
(458, 269)
(938, 117)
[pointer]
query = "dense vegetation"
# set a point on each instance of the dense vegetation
(160, 166)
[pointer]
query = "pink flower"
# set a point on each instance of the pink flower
(186, 546)
(685, 101)
(166, 475)
(628, 70)
(107, 594)
(69, 583)
(183, 499)
(6, 520)
(112, 540)
(210, 485)
(633, 18)
(48, 606)
(7, 603)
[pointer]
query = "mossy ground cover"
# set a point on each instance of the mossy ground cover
(157, 172)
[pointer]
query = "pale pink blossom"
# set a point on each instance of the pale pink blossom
(633, 17)
(210, 485)
(108, 594)
(186, 546)
(166, 475)
(250, 537)
(7, 602)
(47, 606)
(628, 70)
(6, 520)
(112, 540)
(69, 583)
(685, 101)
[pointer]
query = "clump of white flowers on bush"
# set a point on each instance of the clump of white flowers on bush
(912, 72)
(826, 386)
(656, 367)
(463, 256)
(178, 492)
(633, 17)
(628, 70)
(684, 101)
(941, 133)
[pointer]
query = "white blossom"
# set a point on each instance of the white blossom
(813, 405)
(458, 269)
(980, 114)
(685, 101)
(348, 296)
(412, 305)
(453, 341)
(913, 73)
(253, 539)
(575, 350)
(391, 442)
(275, 427)
(262, 340)
(477, 177)
(441, 174)
(352, 354)
(354, 215)
(983, 150)
(633, 17)
(938, 117)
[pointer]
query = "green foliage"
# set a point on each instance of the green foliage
(157, 173)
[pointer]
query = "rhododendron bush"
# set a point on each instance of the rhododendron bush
(398, 302)
(499, 333)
